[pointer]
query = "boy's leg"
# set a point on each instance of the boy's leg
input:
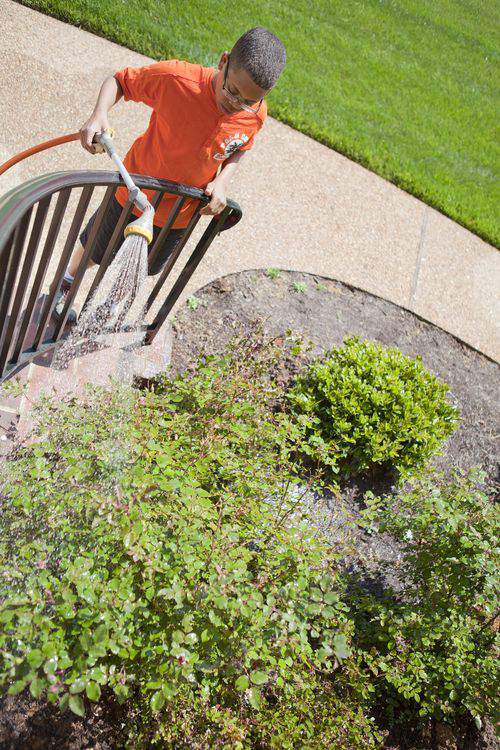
(76, 260)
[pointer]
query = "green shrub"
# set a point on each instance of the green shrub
(308, 713)
(154, 550)
(364, 405)
(316, 717)
(151, 548)
(433, 647)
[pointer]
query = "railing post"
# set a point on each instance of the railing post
(209, 234)
(11, 265)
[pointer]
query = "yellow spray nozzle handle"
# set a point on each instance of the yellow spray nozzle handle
(138, 229)
(99, 148)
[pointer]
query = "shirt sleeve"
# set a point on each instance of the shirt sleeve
(143, 84)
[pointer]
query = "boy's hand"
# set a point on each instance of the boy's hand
(95, 124)
(217, 191)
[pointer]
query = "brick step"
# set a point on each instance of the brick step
(95, 368)
(10, 409)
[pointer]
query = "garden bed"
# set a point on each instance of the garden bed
(327, 311)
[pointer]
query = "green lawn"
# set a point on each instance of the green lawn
(404, 87)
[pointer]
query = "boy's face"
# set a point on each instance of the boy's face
(240, 84)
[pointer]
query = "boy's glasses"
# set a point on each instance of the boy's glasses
(236, 99)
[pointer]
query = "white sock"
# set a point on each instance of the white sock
(68, 277)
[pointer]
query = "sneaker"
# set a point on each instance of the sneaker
(61, 296)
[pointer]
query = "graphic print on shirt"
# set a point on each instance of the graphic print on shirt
(231, 144)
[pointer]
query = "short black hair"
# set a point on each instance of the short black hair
(261, 54)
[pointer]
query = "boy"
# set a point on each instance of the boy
(202, 119)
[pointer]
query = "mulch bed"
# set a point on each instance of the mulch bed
(27, 724)
(325, 313)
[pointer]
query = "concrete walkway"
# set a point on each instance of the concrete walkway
(306, 207)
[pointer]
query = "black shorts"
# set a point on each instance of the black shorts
(107, 227)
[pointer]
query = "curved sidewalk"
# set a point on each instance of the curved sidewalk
(306, 207)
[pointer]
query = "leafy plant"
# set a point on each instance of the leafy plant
(309, 712)
(273, 273)
(13, 388)
(364, 405)
(156, 550)
(193, 302)
(433, 646)
(314, 715)
(299, 286)
(152, 547)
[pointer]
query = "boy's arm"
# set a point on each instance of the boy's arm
(110, 93)
(217, 189)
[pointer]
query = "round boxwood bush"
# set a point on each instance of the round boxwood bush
(364, 405)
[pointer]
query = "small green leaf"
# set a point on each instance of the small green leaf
(50, 665)
(242, 682)
(76, 705)
(157, 701)
(35, 658)
(342, 650)
(93, 691)
(16, 687)
(101, 634)
(220, 602)
(36, 687)
(169, 689)
(331, 597)
(64, 702)
(254, 698)
(78, 686)
(259, 678)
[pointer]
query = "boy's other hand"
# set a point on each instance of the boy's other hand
(217, 192)
(95, 124)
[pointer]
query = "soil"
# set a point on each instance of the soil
(325, 312)
(27, 724)
(329, 311)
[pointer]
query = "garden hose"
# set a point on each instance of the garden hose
(36, 149)
(103, 142)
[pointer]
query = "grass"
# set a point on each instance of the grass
(404, 87)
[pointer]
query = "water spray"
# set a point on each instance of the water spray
(115, 314)
(117, 307)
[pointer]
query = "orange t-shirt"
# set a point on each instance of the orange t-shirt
(187, 137)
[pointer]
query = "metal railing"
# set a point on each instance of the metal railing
(27, 327)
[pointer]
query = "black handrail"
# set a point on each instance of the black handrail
(26, 333)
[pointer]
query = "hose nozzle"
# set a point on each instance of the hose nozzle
(143, 225)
